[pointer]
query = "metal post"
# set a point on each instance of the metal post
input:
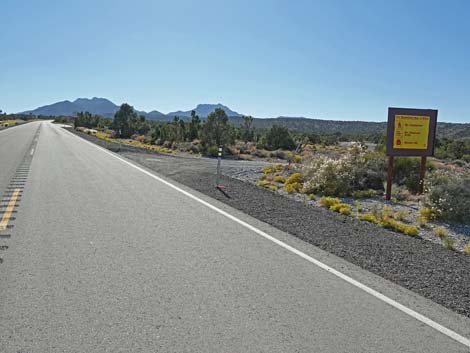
(219, 159)
(388, 194)
(422, 172)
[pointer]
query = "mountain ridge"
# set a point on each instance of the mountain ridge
(203, 110)
(106, 108)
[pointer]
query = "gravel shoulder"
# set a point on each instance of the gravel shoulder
(421, 266)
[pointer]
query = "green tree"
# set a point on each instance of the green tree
(125, 121)
(277, 137)
(217, 130)
(247, 132)
(180, 130)
(194, 126)
(155, 134)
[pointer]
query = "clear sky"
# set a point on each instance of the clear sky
(329, 59)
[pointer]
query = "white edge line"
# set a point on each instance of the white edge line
(454, 335)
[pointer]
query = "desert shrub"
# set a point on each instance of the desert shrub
(194, 148)
(293, 158)
(231, 150)
(294, 178)
(466, 158)
(266, 184)
(364, 194)
(400, 215)
(212, 151)
(448, 243)
(245, 157)
(428, 212)
(342, 208)
(353, 171)
(326, 201)
(459, 163)
(374, 171)
(387, 212)
(410, 230)
(292, 187)
(280, 179)
(401, 193)
(422, 221)
(406, 172)
(311, 196)
(440, 232)
(277, 137)
(261, 153)
(358, 206)
(273, 168)
(140, 138)
(278, 154)
(392, 224)
(467, 249)
(369, 217)
(449, 194)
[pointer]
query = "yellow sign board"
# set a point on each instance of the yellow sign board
(411, 132)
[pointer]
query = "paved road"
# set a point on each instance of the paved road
(14, 144)
(105, 258)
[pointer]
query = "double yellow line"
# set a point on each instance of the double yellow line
(9, 210)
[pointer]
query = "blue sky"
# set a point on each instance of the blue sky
(346, 60)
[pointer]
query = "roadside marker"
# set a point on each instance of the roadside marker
(219, 161)
(425, 320)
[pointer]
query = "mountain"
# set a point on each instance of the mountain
(106, 108)
(101, 106)
(203, 110)
(95, 105)
(154, 115)
(59, 108)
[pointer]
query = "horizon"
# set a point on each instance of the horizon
(222, 104)
(319, 60)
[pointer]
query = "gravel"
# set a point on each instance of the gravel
(421, 266)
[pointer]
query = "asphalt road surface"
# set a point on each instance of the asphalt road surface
(103, 257)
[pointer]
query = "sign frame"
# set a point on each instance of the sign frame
(429, 151)
(409, 152)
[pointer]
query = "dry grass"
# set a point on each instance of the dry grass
(326, 201)
(440, 232)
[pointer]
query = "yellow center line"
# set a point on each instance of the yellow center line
(9, 209)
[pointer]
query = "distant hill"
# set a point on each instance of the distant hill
(203, 110)
(453, 130)
(105, 107)
(318, 125)
(59, 108)
(100, 106)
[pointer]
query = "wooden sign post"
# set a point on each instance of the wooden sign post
(410, 132)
